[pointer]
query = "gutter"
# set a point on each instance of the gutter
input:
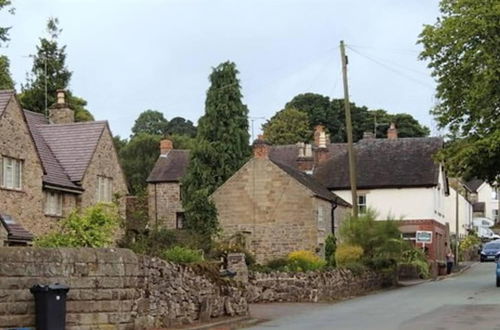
(69, 190)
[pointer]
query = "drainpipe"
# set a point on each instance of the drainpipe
(334, 206)
(156, 209)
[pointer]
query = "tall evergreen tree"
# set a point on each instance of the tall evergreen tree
(6, 81)
(48, 74)
(222, 147)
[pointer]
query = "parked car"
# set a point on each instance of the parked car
(498, 273)
(490, 251)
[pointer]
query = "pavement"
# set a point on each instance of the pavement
(466, 300)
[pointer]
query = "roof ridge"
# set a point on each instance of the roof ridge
(80, 123)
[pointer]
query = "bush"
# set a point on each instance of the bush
(347, 254)
(155, 242)
(468, 246)
(357, 268)
(182, 255)
(277, 264)
(94, 227)
(302, 261)
(330, 247)
(232, 244)
(416, 258)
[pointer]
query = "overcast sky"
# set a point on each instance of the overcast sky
(129, 55)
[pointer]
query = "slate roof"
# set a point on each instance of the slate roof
(309, 182)
(73, 144)
(15, 232)
(54, 173)
(170, 167)
(5, 96)
(288, 153)
(474, 184)
(384, 163)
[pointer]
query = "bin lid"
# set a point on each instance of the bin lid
(51, 287)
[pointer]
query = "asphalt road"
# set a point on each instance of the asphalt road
(467, 301)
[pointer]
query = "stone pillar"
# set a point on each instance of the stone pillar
(236, 263)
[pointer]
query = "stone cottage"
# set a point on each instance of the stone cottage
(280, 209)
(164, 187)
(50, 166)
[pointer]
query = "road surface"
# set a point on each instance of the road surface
(467, 301)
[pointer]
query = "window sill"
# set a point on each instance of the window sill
(13, 190)
(54, 216)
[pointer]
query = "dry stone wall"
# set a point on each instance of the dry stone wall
(314, 286)
(113, 289)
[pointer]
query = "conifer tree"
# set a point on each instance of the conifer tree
(6, 81)
(49, 69)
(221, 148)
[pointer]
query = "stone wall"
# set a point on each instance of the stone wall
(113, 289)
(164, 202)
(314, 286)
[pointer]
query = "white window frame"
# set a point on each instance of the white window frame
(11, 173)
(320, 217)
(104, 189)
(362, 207)
(53, 203)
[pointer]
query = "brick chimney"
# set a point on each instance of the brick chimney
(321, 141)
(305, 159)
(165, 146)
(392, 132)
(60, 112)
(260, 148)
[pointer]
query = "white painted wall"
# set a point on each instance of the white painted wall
(485, 194)
(464, 212)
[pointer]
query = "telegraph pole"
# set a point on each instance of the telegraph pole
(456, 222)
(348, 124)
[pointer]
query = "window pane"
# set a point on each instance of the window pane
(17, 174)
(8, 173)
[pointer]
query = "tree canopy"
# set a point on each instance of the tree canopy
(181, 126)
(150, 122)
(4, 30)
(321, 109)
(49, 67)
(462, 49)
(221, 148)
(6, 81)
(288, 126)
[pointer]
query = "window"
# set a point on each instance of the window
(11, 173)
(179, 220)
(321, 218)
(104, 189)
(495, 215)
(494, 194)
(361, 204)
(53, 203)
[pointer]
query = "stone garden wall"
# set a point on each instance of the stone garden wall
(113, 289)
(314, 286)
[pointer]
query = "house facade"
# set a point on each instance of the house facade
(50, 166)
(278, 208)
(486, 199)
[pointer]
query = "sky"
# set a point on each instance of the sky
(128, 56)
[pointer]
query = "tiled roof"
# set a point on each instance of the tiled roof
(384, 163)
(310, 183)
(170, 167)
(288, 153)
(54, 172)
(73, 145)
(5, 96)
(474, 184)
(15, 231)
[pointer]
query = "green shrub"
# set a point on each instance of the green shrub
(302, 261)
(330, 247)
(347, 254)
(470, 243)
(233, 244)
(182, 255)
(416, 257)
(357, 268)
(277, 264)
(94, 227)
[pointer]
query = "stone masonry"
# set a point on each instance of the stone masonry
(164, 200)
(278, 214)
(113, 289)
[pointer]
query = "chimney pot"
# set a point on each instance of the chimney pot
(165, 146)
(320, 136)
(260, 148)
(392, 132)
(60, 112)
(61, 95)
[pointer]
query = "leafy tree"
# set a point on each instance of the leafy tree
(407, 125)
(181, 126)
(150, 122)
(119, 143)
(288, 126)
(49, 66)
(221, 148)
(4, 30)
(182, 141)
(6, 81)
(138, 157)
(462, 50)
